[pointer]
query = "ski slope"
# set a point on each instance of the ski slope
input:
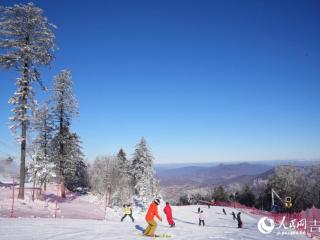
(218, 226)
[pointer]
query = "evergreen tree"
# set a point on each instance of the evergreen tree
(26, 43)
(64, 109)
(75, 173)
(246, 197)
(124, 193)
(69, 164)
(40, 169)
(123, 163)
(219, 194)
(143, 173)
(41, 166)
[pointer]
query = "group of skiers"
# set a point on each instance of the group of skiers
(152, 213)
(238, 217)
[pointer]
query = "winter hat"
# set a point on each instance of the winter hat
(157, 201)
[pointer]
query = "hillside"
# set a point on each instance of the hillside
(204, 176)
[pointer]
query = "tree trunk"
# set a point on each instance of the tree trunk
(63, 189)
(61, 161)
(34, 185)
(22, 160)
(25, 86)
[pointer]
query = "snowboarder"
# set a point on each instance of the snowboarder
(168, 211)
(127, 209)
(224, 211)
(152, 224)
(234, 216)
(239, 220)
(201, 218)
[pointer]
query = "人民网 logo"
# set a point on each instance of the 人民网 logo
(266, 225)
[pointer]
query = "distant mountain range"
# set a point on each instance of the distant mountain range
(206, 176)
(177, 180)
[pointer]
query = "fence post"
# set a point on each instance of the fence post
(106, 205)
(55, 210)
(12, 205)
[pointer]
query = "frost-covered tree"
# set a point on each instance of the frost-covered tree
(40, 169)
(298, 183)
(246, 196)
(26, 43)
(219, 194)
(75, 173)
(42, 124)
(123, 163)
(288, 181)
(65, 107)
(69, 161)
(124, 192)
(143, 173)
(97, 173)
(104, 178)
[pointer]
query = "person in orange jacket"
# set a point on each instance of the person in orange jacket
(152, 224)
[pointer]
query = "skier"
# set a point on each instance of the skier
(199, 209)
(234, 216)
(127, 212)
(201, 218)
(152, 224)
(239, 220)
(224, 211)
(168, 211)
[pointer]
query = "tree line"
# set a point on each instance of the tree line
(28, 43)
(300, 184)
(126, 180)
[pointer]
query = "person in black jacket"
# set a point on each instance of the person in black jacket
(239, 220)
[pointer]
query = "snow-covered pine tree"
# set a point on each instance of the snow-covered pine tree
(65, 107)
(40, 170)
(143, 173)
(41, 167)
(69, 164)
(124, 193)
(26, 42)
(76, 175)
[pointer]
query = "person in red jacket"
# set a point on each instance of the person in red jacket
(152, 224)
(168, 211)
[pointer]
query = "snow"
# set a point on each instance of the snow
(218, 226)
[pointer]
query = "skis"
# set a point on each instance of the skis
(163, 235)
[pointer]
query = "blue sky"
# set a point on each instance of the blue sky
(202, 81)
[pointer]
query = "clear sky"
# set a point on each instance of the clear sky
(202, 81)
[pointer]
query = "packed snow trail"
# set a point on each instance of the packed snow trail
(218, 226)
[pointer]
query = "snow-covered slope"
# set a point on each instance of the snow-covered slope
(218, 226)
